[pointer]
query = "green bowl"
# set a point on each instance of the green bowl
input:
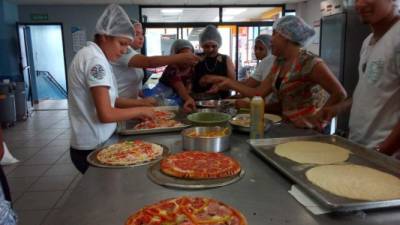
(209, 118)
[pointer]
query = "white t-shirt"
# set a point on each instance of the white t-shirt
(376, 100)
(129, 79)
(263, 68)
(89, 68)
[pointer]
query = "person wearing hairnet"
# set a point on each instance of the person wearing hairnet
(299, 78)
(94, 105)
(212, 62)
(262, 51)
(178, 77)
(129, 68)
(129, 79)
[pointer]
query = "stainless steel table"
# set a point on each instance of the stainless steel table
(109, 196)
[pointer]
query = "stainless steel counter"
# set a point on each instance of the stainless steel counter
(109, 196)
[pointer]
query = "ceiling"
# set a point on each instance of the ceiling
(152, 2)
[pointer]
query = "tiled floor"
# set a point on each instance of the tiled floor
(52, 105)
(45, 175)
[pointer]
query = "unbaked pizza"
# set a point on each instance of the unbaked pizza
(158, 123)
(164, 114)
(199, 165)
(187, 211)
(129, 153)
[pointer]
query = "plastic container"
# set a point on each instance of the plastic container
(257, 118)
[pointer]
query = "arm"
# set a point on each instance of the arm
(322, 75)
(392, 142)
(189, 104)
(131, 102)
(251, 82)
(142, 61)
(107, 114)
(230, 68)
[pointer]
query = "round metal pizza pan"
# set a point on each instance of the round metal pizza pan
(92, 159)
(158, 177)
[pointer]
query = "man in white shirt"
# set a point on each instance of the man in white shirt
(375, 107)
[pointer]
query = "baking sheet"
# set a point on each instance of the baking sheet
(296, 171)
(92, 159)
(158, 177)
(127, 127)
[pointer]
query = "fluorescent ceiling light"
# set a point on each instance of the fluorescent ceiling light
(171, 11)
(234, 11)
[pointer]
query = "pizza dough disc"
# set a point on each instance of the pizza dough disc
(355, 182)
(312, 152)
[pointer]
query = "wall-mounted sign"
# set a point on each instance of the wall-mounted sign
(39, 17)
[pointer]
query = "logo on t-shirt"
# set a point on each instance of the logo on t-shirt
(97, 72)
(374, 71)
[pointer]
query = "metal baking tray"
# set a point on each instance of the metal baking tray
(92, 159)
(296, 171)
(127, 127)
(158, 177)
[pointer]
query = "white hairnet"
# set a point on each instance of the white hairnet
(180, 44)
(115, 22)
(265, 39)
(210, 33)
(295, 29)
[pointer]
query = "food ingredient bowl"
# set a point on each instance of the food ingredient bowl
(209, 118)
(209, 139)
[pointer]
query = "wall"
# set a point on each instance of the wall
(9, 65)
(310, 12)
(82, 16)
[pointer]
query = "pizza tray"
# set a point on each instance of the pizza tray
(267, 124)
(296, 171)
(158, 177)
(127, 127)
(92, 159)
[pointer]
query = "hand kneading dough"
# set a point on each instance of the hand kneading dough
(355, 182)
(312, 152)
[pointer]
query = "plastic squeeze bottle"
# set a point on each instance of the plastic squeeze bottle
(257, 117)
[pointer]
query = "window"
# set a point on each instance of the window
(180, 15)
(249, 14)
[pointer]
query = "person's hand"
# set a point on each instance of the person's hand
(189, 105)
(211, 79)
(242, 103)
(326, 114)
(213, 89)
(311, 122)
(150, 101)
(187, 59)
(145, 113)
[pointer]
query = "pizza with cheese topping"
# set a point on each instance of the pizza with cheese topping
(129, 153)
(200, 165)
(187, 211)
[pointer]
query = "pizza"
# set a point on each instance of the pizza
(164, 114)
(187, 211)
(158, 123)
(199, 165)
(129, 153)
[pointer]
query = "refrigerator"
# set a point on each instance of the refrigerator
(341, 38)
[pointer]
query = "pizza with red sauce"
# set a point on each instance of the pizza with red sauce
(187, 211)
(129, 153)
(200, 165)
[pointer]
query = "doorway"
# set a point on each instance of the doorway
(43, 65)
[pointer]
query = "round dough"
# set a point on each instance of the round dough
(312, 152)
(355, 182)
